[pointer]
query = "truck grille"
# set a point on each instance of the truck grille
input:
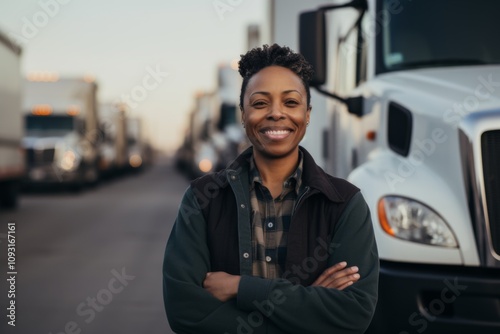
(490, 148)
(39, 157)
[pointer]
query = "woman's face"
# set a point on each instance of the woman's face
(275, 112)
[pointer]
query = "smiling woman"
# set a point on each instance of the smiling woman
(264, 245)
(275, 113)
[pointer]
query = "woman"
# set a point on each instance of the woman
(263, 246)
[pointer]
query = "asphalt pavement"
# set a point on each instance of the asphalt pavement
(90, 262)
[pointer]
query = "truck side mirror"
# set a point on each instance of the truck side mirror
(312, 43)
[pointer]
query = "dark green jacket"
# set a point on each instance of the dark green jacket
(331, 223)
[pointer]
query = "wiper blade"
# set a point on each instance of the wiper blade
(440, 62)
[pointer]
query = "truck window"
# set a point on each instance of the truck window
(429, 33)
(51, 125)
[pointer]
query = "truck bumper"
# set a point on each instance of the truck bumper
(51, 174)
(416, 298)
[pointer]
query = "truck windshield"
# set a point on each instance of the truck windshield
(431, 33)
(49, 125)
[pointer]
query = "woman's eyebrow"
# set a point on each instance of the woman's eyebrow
(283, 93)
(292, 91)
(260, 92)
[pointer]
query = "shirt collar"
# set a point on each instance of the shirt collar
(295, 179)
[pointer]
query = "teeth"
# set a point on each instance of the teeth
(277, 132)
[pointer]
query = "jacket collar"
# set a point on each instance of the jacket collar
(313, 176)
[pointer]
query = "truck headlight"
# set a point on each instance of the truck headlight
(69, 161)
(413, 221)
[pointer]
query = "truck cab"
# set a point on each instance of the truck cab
(413, 91)
(62, 134)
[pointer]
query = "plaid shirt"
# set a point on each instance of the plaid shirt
(271, 221)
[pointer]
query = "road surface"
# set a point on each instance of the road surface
(91, 262)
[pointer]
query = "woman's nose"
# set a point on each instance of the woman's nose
(276, 112)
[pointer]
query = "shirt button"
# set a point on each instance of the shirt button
(242, 206)
(268, 259)
(246, 255)
(270, 225)
(233, 177)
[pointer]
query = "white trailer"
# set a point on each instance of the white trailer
(12, 166)
(62, 135)
(414, 121)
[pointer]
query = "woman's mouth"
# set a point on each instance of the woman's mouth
(277, 134)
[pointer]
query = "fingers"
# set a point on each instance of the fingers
(338, 276)
(342, 282)
(330, 271)
(342, 287)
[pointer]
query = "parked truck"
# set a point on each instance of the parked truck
(62, 134)
(12, 166)
(113, 155)
(138, 148)
(413, 93)
(214, 135)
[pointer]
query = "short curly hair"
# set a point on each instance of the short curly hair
(275, 55)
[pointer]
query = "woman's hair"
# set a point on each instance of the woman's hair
(258, 58)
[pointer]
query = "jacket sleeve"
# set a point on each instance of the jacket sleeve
(189, 307)
(299, 309)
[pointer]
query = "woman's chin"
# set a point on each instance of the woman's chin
(273, 151)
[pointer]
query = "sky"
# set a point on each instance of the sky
(178, 43)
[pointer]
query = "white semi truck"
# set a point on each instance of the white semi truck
(62, 134)
(214, 136)
(12, 166)
(414, 120)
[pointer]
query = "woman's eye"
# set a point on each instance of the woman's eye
(291, 103)
(258, 104)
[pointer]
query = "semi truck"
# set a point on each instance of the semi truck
(413, 120)
(12, 165)
(113, 149)
(62, 134)
(214, 135)
(137, 157)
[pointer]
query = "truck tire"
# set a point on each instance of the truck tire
(9, 195)
(92, 175)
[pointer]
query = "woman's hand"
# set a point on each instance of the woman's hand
(338, 277)
(221, 285)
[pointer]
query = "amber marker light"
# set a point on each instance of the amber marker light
(41, 110)
(371, 135)
(382, 217)
(73, 110)
(205, 165)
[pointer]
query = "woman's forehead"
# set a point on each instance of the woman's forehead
(275, 78)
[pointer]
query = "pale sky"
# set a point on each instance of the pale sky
(121, 42)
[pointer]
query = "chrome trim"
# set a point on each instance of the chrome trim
(471, 128)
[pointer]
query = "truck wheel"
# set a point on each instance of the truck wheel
(9, 195)
(91, 174)
(76, 187)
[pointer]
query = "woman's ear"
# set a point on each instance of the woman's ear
(242, 116)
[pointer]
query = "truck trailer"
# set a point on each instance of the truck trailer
(12, 167)
(413, 116)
